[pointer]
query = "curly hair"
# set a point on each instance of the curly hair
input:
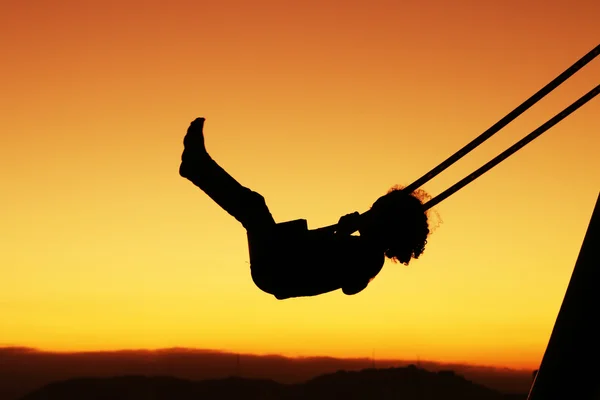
(402, 222)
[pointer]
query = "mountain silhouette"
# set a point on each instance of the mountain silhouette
(394, 383)
(23, 370)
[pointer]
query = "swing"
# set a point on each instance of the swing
(289, 260)
(586, 59)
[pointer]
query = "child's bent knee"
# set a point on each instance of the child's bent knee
(262, 280)
(266, 282)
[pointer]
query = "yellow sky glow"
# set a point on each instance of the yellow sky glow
(320, 108)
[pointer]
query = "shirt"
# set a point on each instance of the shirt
(289, 260)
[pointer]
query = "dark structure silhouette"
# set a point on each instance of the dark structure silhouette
(576, 333)
(288, 259)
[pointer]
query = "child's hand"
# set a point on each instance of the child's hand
(348, 224)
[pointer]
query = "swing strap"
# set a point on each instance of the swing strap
(514, 148)
(506, 120)
(501, 124)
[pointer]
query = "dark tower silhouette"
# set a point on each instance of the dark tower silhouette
(576, 331)
(373, 359)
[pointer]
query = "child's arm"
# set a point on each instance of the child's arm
(347, 225)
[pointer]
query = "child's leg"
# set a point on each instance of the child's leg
(248, 207)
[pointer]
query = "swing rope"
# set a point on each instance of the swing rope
(506, 120)
(514, 148)
(583, 61)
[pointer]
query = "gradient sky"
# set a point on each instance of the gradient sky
(320, 106)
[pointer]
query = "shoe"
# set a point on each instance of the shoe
(194, 138)
(194, 149)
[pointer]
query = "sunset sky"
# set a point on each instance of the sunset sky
(320, 106)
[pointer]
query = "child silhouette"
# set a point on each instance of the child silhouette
(288, 259)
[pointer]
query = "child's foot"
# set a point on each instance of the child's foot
(194, 138)
(194, 148)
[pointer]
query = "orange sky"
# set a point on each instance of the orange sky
(320, 107)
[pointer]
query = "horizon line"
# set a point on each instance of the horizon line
(409, 361)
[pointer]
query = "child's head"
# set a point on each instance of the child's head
(398, 221)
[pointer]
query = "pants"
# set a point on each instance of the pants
(310, 268)
(245, 205)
